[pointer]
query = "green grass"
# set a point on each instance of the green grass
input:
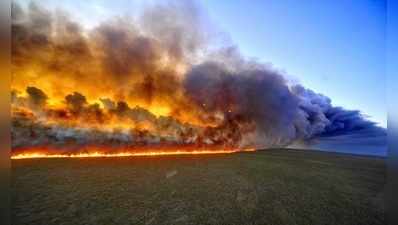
(266, 187)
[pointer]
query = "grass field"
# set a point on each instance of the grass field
(264, 187)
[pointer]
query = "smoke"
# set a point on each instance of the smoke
(338, 129)
(132, 82)
(37, 97)
(75, 101)
(328, 120)
(257, 98)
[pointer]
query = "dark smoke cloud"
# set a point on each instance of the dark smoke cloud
(76, 101)
(36, 97)
(256, 97)
(337, 129)
(328, 120)
(261, 101)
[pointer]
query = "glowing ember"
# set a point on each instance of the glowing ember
(124, 154)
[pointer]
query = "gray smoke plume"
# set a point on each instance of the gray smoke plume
(270, 112)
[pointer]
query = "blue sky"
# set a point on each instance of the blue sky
(392, 67)
(336, 48)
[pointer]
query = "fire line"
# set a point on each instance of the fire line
(124, 154)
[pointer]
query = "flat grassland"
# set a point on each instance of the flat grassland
(264, 187)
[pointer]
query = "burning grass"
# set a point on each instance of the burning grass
(263, 187)
(96, 154)
(107, 152)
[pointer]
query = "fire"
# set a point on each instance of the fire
(132, 85)
(97, 154)
(157, 78)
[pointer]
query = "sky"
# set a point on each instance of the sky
(392, 78)
(336, 48)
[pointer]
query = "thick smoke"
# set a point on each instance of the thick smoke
(328, 120)
(255, 98)
(37, 97)
(266, 107)
(337, 129)
(75, 102)
(138, 82)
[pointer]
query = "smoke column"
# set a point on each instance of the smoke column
(153, 82)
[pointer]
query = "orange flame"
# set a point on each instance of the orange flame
(31, 155)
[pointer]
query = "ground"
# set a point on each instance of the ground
(264, 187)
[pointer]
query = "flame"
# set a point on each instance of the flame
(97, 154)
(120, 85)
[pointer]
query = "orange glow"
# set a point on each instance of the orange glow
(125, 154)
(116, 86)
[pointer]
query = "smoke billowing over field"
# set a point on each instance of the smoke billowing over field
(153, 82)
